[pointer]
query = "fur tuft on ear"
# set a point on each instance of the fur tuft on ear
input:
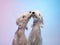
(17, 21)
(42, 23)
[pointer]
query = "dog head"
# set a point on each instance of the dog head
(37, 17)
(23, 19)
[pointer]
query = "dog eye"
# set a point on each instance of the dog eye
(23, 16)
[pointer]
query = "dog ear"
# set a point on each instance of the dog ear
(17, 21)
(19, 18)
(42, 23)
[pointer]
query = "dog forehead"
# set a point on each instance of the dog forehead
(23, 14)
(26, 13)
(38, 14)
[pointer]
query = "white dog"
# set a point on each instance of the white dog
(19, 37)
(35, 35)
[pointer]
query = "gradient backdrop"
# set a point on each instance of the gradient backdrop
(11, 9)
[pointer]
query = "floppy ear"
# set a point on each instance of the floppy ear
(17, 22)
(42, 23)
(18, 19)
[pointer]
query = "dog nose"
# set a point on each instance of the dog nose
(33, 12)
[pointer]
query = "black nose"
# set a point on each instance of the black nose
(29, 11)
(33, 12)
